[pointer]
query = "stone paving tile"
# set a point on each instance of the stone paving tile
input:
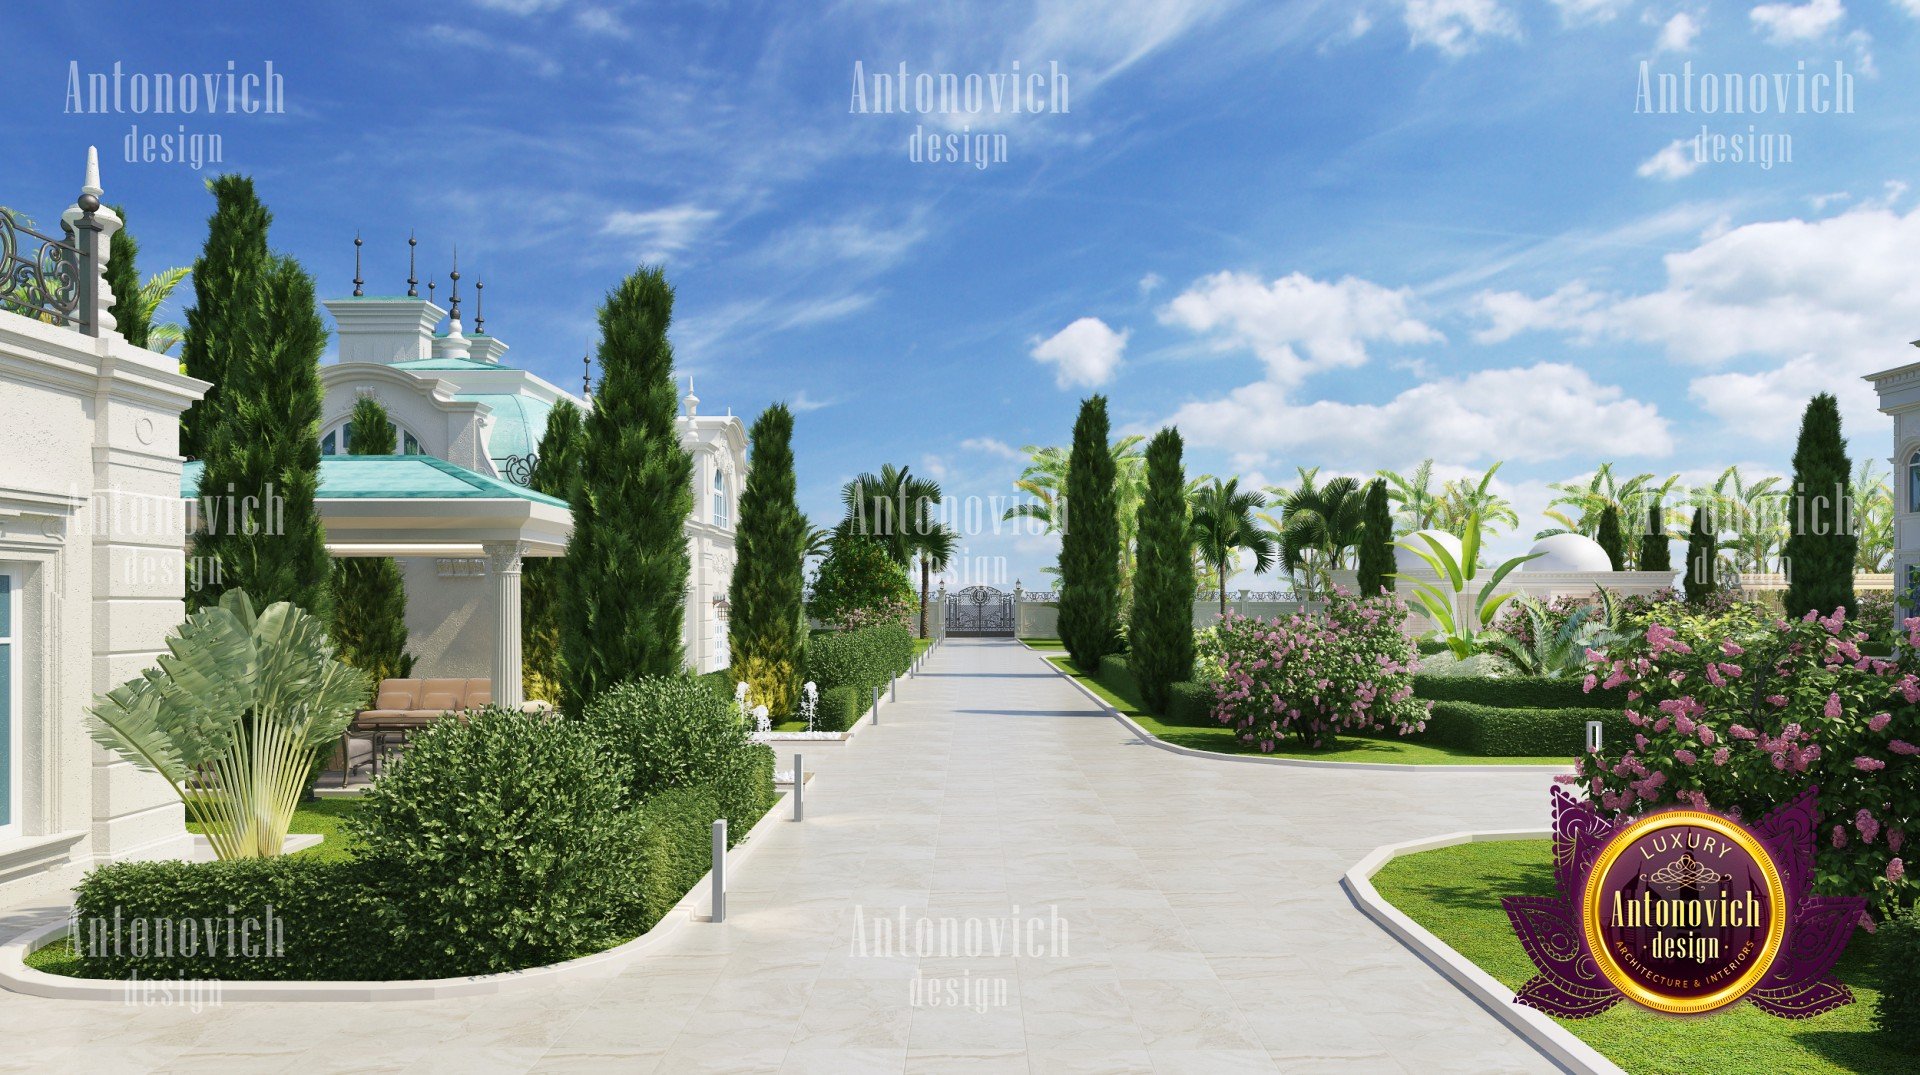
(1203, 929)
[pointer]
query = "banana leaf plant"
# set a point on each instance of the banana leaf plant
(1464, 635)
(234, 717)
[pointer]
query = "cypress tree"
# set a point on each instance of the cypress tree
(627, 561)
(767, 632)
(1090, 543)
(1608, 537)
(123, 277)
(370, 592)
(1161, 627)
(556, 472)
(1376, 565)
(1821, 541)
(1654, 553)
(265, 445)
(228, 281)
(1703, 552)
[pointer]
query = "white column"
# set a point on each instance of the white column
(503, 564)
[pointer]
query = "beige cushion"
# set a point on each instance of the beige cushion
(397, 694)
(479, 693)
(441, 695)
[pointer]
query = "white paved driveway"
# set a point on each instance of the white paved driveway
(1189, 920)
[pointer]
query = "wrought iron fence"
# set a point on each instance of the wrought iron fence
(40, 275)
(518, 469)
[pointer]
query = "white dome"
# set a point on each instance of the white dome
(1407, 563)
(1568, 552)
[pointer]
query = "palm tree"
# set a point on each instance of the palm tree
(1753, 512)
(1577, 507)
(934, 549)
(1464, 497)
(1317, 525)
(1873, 515)
(897, 508)
(819, 542)
(1419, 508)
(1223, 524)
(157, 289)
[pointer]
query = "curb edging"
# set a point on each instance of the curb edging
(1301, 763)
(1538, 1029)
(17, 977)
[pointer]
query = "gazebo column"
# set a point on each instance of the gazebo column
(503, 564)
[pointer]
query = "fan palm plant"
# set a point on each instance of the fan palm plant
(1464, 497)
(1464, 633)
(1418, 505)
(1554, 653)
(234, 718)
(1316, 527)
(1223, 524)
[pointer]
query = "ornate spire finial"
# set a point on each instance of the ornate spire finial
(479, 307)
(431, 284)
(454, 313)
(692, 401)
(90, 191)
(357, 282)
(586, 375)
(413, 277)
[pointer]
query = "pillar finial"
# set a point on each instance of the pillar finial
(357, 282)
(692, 401)
(479, 307)
(413, 277)
(454, 312)
(92, 184)
(431, 284)
(586, 375)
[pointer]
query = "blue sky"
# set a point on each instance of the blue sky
(1345, 235)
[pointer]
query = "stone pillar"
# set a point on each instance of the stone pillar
(503, 564)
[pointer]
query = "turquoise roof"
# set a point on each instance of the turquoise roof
(519, 421)
(449, 364)
(396, 477)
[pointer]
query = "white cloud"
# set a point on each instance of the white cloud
(1457, 27)
(1152, 281)
(802, 403)
(1678, 33)
(660, 233)
(861, 239)
(1573, 308)
(1676, 161)
(1526, 414)
(1297, 325)
(1577, 12)
(1784, 24)
(992, 446)
(1084, 353)
(1804, 305)
(463, 37)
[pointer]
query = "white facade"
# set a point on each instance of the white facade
(451, 397)
(1899, 390)
(94, 577)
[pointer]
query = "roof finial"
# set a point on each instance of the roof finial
(92, 185)
(692, 401)
(479, 307)
(454, 313)
(586, 375)
(431, 284)
(357, 282)
(413, 277)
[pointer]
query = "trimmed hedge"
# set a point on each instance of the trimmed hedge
(1114, 669)
(840, 708)
(668, 732)
(1897, 1012)
(672, 848)
(1500, 732)
(862, 659)
(310, 919)
(1514, 692)
(1190, 703)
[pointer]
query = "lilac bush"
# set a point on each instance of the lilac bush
(1313, 676)
(1741, 712)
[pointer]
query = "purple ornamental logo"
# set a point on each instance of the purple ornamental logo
(1685, 912)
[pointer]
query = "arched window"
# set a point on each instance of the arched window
(340, 441)
(1913, 482)
(719, 497)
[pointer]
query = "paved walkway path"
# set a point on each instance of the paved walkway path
(1201, 926)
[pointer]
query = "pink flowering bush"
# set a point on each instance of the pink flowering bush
(1313, 676)
(1740, 713)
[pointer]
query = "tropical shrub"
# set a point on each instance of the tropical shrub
(240, 707)
(508, 835)
(1462, 632)
(1543, 648)
(859, 579)
(1738, 715)
(668, 732)
(1897, 1013)
(1312, 677)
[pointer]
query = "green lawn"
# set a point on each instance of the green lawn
(1455, 893)
(1044, 643)
(323, 816)
(1221, 740)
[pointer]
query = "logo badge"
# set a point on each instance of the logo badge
(1684, 912)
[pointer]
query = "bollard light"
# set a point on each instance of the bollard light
(720, 870)
(799, 788)
(1593, 737)
(876, 705)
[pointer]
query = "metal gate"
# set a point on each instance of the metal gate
(980, 611)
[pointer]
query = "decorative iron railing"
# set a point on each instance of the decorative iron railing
(518, 469)
(1039, 596)
(40, 275)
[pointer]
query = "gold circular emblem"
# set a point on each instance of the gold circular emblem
(1666, 845)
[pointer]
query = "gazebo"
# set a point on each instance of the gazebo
(419, 506)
